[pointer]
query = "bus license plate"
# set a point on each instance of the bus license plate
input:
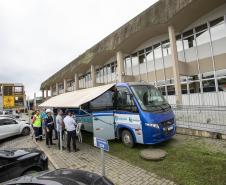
(170, 128)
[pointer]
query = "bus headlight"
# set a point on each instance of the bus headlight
(154, 125)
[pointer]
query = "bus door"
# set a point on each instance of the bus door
(103, 116)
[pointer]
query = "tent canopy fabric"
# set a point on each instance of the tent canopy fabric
(76, 98)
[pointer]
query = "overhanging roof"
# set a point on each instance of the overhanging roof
(76, 98)
(150, 23)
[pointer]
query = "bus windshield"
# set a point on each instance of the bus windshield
(150, 98)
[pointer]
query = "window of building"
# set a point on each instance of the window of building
(203, 41)
(170, 90)
(158, 57)
(218, 35)
(128, 66)
(150, 59)
(135, 64)
(166, 50)
(180, 48)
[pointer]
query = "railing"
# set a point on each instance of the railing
(208, 118)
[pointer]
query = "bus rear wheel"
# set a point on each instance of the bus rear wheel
(127, 138)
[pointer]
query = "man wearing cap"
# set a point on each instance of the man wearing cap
(49, 125)
(70, 126)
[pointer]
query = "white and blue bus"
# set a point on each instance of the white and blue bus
(132, 112)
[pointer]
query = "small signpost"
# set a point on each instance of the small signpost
(103, 145)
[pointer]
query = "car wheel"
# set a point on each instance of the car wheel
(127, 138)
(25, 131)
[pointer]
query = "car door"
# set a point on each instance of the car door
(3, 133)
(11, 127)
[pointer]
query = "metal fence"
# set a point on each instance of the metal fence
(208, 118)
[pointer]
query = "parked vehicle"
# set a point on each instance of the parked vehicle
(10, 127)
(17, 162)
(62, 177)
(133, 112)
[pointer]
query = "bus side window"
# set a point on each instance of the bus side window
(102, 103)
(125, 101)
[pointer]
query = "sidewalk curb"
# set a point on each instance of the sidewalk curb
(49, 157)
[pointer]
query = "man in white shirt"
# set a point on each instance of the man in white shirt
(70, 126)
(60, 128)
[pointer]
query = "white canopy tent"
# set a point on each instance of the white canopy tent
(76, 98)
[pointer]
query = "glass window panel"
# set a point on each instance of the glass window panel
(180, 49)
(218, 35)
(208, 86)
(166, 53)
(188, 33)
(189, 47)
(142, 62)
(184, 89)
(150, 60)
(158, 56)
(162, 90)
(222, 84)
(221, 73)
(128, 65)
(208, 75)
(171, 90)
(135, 64)
(194, 87)
(201, 28)
(203, 44)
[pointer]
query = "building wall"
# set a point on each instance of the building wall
(201, 52)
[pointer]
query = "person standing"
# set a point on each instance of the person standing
(43, 117)
(60, 127)
(49, 126)
(37, 125)
(70, 126)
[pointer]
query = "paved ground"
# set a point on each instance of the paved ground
(88, 158)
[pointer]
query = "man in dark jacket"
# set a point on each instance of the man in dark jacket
(49, 126)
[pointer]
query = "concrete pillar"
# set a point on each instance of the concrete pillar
(65, 85)
(51, 91)
(120, 67)
(175, 64)
(57, 89)
(93, 75)
(76, 82)
(43, 95)
(47, 93)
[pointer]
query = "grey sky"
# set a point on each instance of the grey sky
(38, 37)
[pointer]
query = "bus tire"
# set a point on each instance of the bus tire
(127, 138)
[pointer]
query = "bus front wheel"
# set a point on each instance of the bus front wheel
(127, 138)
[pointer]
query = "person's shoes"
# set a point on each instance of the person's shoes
(55, 139)
(69, 151)
(76, 150)
(53, 144)
(48, 146)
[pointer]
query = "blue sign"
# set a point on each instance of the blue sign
(101, 143)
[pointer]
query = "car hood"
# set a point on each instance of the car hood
(14, 153)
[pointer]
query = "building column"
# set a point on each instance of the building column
(57, 89)
(47, 93)
(43, 95)
(76, 82)
(175, 64)
(65, 85)
(51, 91)
(93, 75)
(120, 67)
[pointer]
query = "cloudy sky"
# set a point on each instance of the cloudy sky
(39, 37)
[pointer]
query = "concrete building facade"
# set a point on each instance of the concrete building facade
(177, 45)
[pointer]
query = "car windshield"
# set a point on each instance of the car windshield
(149, 98)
